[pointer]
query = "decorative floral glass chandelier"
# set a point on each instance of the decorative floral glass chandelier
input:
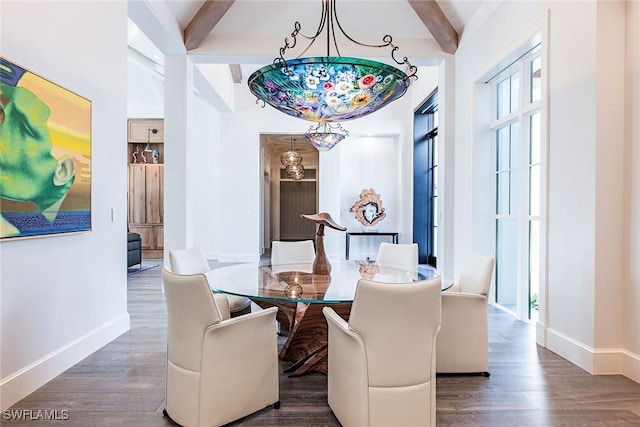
(330, 88)
(325, 136)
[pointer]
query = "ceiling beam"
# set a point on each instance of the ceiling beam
(438, 24)
(236, 73)
(203, 22)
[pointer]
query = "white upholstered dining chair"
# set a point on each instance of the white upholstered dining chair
(401, 255)
(463, 342)
(381, 366)
(191, 261)
(299, 252)
(219, 369)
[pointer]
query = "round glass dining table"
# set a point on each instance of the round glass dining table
(297, 283)
(300, 296)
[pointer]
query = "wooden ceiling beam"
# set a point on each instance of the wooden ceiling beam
(203, 22)
(437, 23)
(236, 73)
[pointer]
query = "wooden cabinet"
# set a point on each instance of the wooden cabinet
(146, 206)
(138, 130)
(146, 189)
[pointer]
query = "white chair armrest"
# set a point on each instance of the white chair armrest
(463, 338)
(347, 376)
(245, 351)
(222, 303)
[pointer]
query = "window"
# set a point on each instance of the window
(425, 180)
(516, 130)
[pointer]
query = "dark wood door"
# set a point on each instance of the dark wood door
(297, 198)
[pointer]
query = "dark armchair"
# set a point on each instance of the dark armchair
(134, 249)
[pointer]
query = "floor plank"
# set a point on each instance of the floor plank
(122, 384)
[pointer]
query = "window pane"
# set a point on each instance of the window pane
(435, 211)
(435, 149)
(515, 92)
(513, 192)
(435, 181)
(435, 242)
(506, 262)
(534, 138)
(502, 98)
(534, 190)
(514, 157)
(502, 207)
(534, 268)
(502, 148)
(535, 88)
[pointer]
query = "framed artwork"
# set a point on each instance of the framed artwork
(368, 209)
(45, 156)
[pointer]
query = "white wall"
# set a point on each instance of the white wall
(206, 212)
(610, 190)
(584, 240)
(370, 162)
(64, 297)
(631, 300)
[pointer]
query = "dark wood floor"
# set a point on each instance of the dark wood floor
(123, 383)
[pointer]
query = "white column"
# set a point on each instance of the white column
(178, 200)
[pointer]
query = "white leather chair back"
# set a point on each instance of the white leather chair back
(188, 261)
(300, 252)
(190, 310)
(398, 324)
(403, 256)
(192, 261)
(476, 278)
(218, 370)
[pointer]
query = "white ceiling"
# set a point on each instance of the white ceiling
(362, 17)
(252, 30)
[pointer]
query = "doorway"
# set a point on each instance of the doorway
(284, 198)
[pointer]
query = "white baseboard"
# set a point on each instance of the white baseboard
(631, 365)
(617, 361)
(601, 361)
(20, 384)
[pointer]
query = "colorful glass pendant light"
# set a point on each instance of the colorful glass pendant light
(330, 88)
(325, 136)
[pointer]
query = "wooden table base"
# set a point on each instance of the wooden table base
(306, 345)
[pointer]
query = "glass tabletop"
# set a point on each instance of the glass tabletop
(297, 283)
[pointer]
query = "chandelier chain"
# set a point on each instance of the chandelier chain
(330, 19)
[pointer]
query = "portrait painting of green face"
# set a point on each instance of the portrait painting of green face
(45, 156)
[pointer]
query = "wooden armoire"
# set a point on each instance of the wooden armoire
(146, 184)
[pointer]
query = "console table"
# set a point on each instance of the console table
(394, 238)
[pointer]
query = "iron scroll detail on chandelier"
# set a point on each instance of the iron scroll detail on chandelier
(329, 89)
